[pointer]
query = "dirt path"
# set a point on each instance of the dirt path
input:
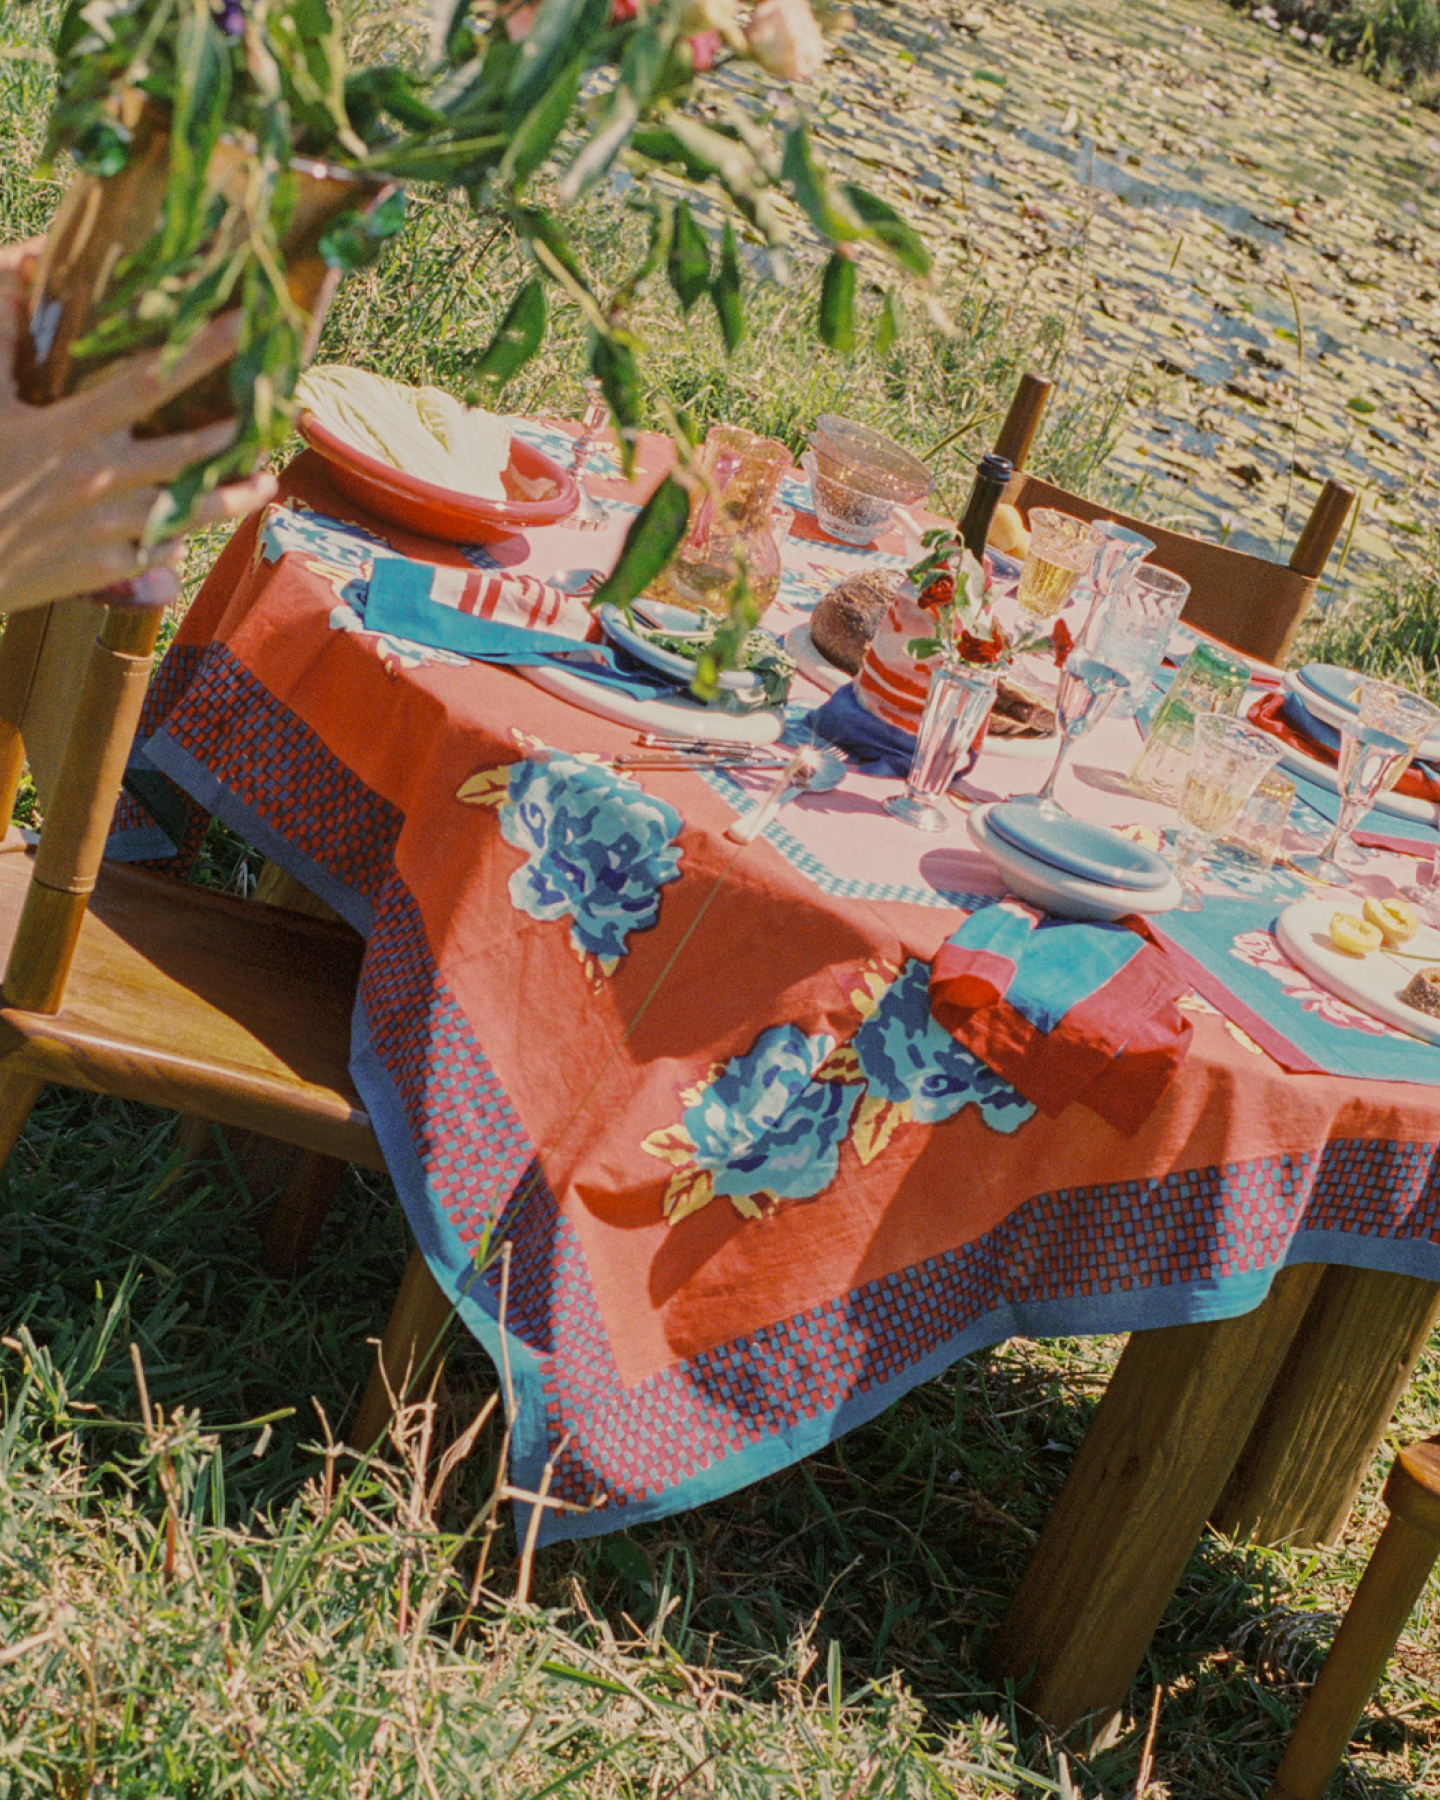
(1180, 183)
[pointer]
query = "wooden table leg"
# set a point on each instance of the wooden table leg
(1317, 1434)
(1163, 1440)
(413, 1335)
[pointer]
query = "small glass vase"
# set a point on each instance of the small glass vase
(957, 704)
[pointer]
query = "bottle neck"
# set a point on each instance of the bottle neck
(992, 476)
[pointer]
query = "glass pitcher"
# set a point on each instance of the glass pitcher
(731, 525)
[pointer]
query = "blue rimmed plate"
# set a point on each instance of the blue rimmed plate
(738, 687)
(1079, 847)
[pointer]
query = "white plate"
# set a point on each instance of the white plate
(740, 689)
(1371, 983)
(1424, 812)
(1067, 896)
(1337, 717)
(688, 718)
(811, 663)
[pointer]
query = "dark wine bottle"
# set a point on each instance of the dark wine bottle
(992, 473)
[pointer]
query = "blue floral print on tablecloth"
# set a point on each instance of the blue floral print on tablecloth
(763, 1124)
(905, 1056)
(598, 849)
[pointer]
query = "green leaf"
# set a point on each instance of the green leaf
(813, 193)
(837, 303)
(562, 30)
(688, 264)
(598, 155)
(612, 361)
(886, 226)
(519, 336)
(653, 538)
(887, 326)
(534, 137)
(725, 292)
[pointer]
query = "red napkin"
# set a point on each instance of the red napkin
(1118, 1044)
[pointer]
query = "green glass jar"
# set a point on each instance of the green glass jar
(1209, 680)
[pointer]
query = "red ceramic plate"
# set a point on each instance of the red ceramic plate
(438, 512)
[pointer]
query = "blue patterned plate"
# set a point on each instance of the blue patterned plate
(1078, 847)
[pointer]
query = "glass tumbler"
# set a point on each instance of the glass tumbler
(1132, 628)
(957, 704)
(1209, 680)
(1259, 828)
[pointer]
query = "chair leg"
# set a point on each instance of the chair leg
(413, 1336)
(299, 1211)
(1398, 1570)
(18, 1094)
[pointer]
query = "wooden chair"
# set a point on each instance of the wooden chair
(127, 983)
(1248, 602)
(1398, 1570)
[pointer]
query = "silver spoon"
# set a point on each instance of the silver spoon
(809, 771)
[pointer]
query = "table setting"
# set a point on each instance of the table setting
(725, 1104)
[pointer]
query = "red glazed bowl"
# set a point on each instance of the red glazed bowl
(437, 512)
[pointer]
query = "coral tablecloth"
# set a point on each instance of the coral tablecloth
(750, 1191)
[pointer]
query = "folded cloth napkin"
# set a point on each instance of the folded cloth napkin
(482, 615)
(1064, 1010)
(879, 748)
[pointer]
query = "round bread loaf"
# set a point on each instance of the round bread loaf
(844, 622)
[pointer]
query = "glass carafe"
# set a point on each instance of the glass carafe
(731, 531)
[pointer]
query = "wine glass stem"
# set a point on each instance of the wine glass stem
(1047, 793)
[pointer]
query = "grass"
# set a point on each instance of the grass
(201, 1595)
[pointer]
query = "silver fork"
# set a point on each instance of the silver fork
(589, 515)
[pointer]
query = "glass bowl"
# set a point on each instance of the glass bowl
(854, 456)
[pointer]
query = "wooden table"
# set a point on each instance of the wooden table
(566, 1034)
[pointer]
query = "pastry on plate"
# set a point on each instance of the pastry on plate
(1422, 990)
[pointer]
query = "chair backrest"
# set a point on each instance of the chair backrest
(116, 668)
(1248, 602)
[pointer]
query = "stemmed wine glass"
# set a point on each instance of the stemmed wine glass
(1225, 768)
(1389, 725)
(588, 515)
(1087, 689)
(1062, 549)
(956, 705)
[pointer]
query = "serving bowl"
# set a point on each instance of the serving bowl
(438, 512)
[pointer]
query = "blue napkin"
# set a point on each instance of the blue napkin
(878, 748)
(398, 601)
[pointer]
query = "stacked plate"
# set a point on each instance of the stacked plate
(1070, 866)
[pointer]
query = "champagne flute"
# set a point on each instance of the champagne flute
(1088, 687)
(1389, 725)
(1225, 767)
